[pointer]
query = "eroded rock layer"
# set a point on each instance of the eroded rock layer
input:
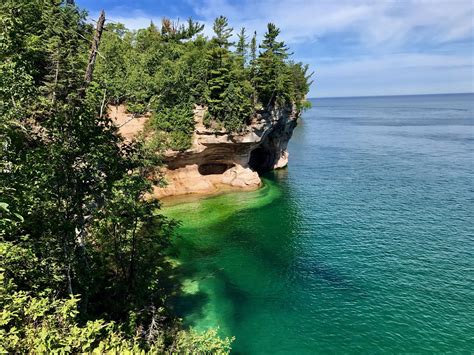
(219, 160)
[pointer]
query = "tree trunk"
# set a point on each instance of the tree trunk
(56, 76)
(94, 49)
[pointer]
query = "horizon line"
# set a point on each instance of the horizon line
(395, 95)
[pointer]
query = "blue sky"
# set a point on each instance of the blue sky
(355, 48)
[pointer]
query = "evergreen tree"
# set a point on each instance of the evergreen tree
(115, 50)
(273, 77)
(219, 65)
(193, 29)
(271, 45)
(173, 31)
(253, 48)
(301, 81)
(241, 47)
(222, 32)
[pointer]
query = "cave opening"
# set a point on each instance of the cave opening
(214, 168)
(260, 160)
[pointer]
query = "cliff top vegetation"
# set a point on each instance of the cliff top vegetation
(167, 69)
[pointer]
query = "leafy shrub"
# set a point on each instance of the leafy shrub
(192, 342)
(136, 108)
(173, 127)
(44, 325)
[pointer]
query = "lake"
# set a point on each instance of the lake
(363, 244)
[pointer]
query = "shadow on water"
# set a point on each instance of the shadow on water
(249, 263)
(304, 266)
(317, 271)
(185, 304)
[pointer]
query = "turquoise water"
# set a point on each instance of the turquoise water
(364, 244)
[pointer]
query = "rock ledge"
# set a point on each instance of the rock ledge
(219, 160)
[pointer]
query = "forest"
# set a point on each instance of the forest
(83, 253)
(167, 70)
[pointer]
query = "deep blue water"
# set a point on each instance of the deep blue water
(368, 246)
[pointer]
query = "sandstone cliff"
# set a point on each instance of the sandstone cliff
(219, 160)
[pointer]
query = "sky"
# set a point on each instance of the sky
(354, 47)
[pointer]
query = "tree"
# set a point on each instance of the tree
(193, 28)
(273, 75)
(270, 45)
(222, 32)
(236, 107)
(220, 65)
(172, 30)
(241, 47)
(253, 67)
(301, 81)
(112, 71)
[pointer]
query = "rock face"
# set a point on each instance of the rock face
(128, 124)
(219, 160)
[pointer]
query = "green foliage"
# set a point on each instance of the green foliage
(241, 47)
(222, 32)
(74, 218)
(74, 214)
(136, 108)
(159, 69)
(116, 48)
(172, 31)
(273, 80)
(271, 45)
(235, 107)
(301, 82)
(173, 127)
(45, 325)
(192, 342)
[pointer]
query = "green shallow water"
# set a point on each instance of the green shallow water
(365, 244)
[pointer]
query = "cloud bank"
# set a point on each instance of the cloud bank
(354, 47)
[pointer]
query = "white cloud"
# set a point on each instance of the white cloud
(132, 20)
(375, 21)
(393, 74)
(386, 40)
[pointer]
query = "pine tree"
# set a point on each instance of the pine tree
(193, 28)
(271, 45)
(219, 65)
(217, 83)
(171, 30)
(273, 75)
(253, 48)
(242, 46)
(222, 32)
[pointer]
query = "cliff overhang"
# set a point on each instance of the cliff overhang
(219, 160)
